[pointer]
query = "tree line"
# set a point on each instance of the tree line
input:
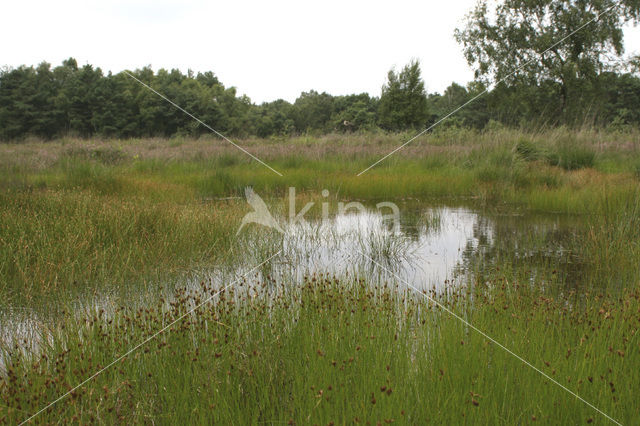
(522, 79)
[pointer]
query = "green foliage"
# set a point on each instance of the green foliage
(83, 102)
(355, 112)
(403, 103)
(505, 45)
(522, 29)
(473, 115)
(313, 111)
(620, 99)
(274, 118)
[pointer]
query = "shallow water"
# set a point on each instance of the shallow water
(433, 248)
(436, 249)
(428, 253)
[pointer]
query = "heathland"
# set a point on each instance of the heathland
(84, 218)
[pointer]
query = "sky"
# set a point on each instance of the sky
(266, 49)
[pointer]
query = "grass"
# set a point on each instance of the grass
(79, 216)
(331, 351)
(58, 244)
(567, 153)
(79, 219)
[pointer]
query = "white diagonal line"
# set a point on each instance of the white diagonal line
(147, 340)
(485, 91)
(204, 124)
(486, 336)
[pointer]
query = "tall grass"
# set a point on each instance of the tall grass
(78, 215)
(612, 243)
(79, 218)
(60, 244)
(339, 351)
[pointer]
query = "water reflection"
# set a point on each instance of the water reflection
(435, 248)
(427, 251)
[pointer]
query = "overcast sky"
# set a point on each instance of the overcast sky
(267, 49)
